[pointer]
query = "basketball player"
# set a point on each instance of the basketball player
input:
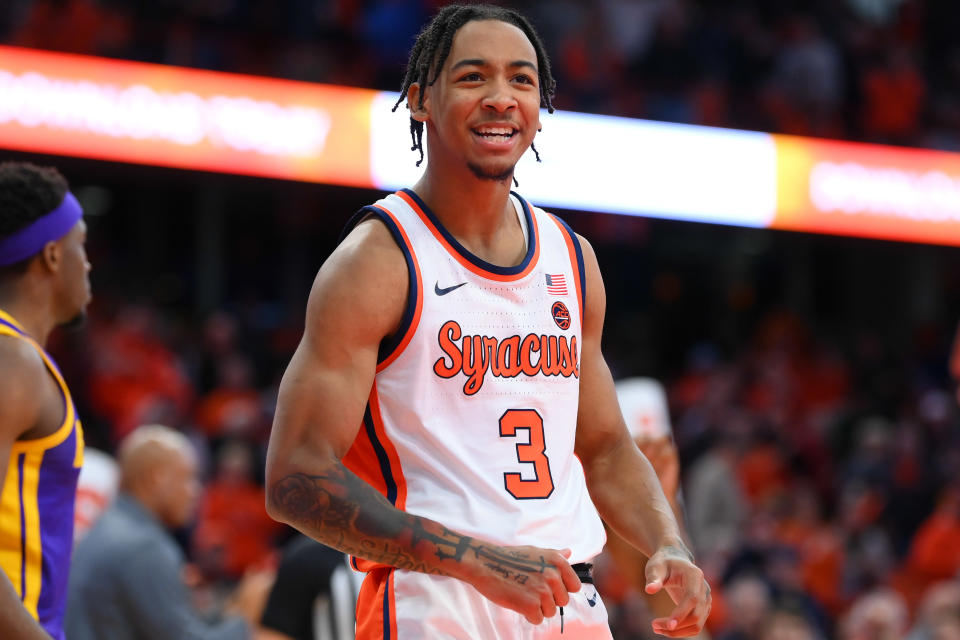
(43, 284)
(449, 407)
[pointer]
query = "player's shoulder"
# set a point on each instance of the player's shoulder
(367, 274)
(369, 234)
(369, 250)
(19, 361)
(23, 381)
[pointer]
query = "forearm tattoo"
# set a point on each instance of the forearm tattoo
(342, 511)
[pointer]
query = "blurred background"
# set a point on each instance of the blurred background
(807, 375)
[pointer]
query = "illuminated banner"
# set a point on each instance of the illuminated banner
(868, 190)
(618, 165)
(160, 115)
(168, 116)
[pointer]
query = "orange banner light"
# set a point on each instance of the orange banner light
(866, 190)
(169, 116)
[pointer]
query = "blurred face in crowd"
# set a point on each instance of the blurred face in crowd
(783, 625)
(179, 488)
(484, 109)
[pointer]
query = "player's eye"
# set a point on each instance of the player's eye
(473, 76)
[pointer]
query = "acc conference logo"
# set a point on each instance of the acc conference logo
(560, 315)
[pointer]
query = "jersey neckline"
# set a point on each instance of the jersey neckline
(468, 259)
(8, 319)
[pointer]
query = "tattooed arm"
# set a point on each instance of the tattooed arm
(623, 484)
(357, 299)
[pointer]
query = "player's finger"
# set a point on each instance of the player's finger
(682, 629)
(561, 596)
(656, 574)
(684, 609)
(534, 616)
(680, 632)
(548, 607)
(674, 626)
(571, 582)
(680, 616)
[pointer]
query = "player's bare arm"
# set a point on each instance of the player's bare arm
(22, 411)
(357, 300)
(623, 484)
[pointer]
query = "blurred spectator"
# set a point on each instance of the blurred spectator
(136, 378)
(876, 615)
(783, 624)
(893, 92)
(748, 600)
(938, 617)
(716, 506)
(233, 531)
(935, 552)
(96, 489)
(126, 580)
(234, 408)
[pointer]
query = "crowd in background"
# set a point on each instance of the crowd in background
(819, 479)
(818, 474)
(874, 70)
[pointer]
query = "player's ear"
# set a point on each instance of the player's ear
(417, 112)
(51, 255)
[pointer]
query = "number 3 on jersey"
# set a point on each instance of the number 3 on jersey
(532, 451)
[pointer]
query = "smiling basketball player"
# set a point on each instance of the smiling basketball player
(448, 418)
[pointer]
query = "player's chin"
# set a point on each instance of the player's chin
(494, 171)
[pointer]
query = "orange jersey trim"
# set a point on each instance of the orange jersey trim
(374, 458)
(376, 606)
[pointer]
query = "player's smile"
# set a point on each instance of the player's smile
(496, 136)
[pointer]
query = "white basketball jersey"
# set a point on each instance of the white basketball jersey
(472, 417)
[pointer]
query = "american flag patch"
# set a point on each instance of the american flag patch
(556, 285)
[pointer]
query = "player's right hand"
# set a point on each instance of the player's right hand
(532, 581)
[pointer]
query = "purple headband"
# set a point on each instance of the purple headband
(31, 239)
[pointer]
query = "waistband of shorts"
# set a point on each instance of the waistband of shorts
(584, 571)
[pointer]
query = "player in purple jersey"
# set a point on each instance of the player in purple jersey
(44, 283)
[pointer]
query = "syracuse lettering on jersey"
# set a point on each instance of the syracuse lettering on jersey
(474, 356)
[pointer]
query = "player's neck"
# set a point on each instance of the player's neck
(469, 207)
(29, 310)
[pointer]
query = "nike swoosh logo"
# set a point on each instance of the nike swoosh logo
(592, 601)
(446, 290)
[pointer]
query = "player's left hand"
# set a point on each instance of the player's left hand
(670, 568)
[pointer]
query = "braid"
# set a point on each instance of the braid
(433, 45)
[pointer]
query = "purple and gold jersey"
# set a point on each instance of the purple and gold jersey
(37, 504)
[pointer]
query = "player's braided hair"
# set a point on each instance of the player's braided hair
(27, 192)
(432, 47)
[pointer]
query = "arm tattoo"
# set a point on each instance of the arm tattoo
(342, 511)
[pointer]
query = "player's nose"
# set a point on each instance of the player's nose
(499, 97)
